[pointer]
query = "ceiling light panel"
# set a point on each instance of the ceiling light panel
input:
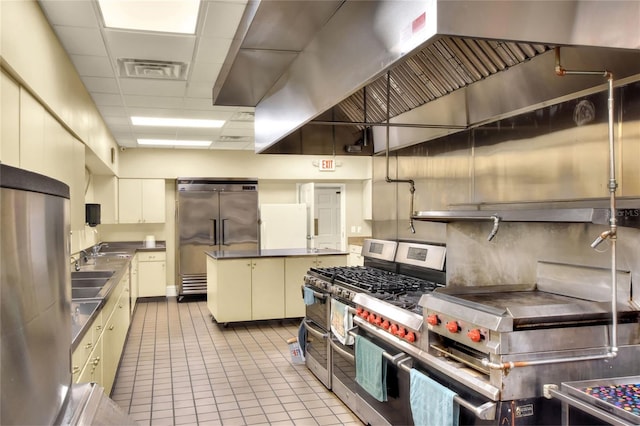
(176, 122)
(170, 142)
(168, 16)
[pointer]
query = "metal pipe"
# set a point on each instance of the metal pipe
(519, 364)
(611, 234)
(412, 187)
(369, 124)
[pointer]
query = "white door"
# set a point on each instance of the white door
(327, 217)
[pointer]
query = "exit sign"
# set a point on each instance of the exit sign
(328, 164)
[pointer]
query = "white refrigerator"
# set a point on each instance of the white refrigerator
(283, 226)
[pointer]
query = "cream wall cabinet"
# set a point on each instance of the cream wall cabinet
(105, 193)
(295, 269)
(152, 281)
(141, 201)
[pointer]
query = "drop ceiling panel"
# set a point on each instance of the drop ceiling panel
(106, 99)
(222, 18)
(92, 66)
(205, 72)
(212, 49)
(200, 90)
(160, 102)
(101, 84)
(70, 12)
(150, 87)
(117, 121)
(81, 40)
(198, 103)
(112, 111)
(158, 47)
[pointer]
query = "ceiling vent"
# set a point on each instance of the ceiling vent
(234, 139)
(243, 116)
(144, 68)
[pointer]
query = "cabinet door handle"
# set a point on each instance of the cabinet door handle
(88, 345)
(111, 327)
(96, 361)
(75, 369)
(98, 327)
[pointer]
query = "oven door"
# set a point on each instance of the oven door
(318, 352)
(318, 312)
(395, 410)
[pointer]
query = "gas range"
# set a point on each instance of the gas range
(345, 282)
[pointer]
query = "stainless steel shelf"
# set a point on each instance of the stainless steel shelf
(599, 216)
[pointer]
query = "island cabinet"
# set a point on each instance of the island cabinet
(261, 286)
(295, 269)
(245, 289)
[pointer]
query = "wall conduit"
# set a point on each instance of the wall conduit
(611, 234)
(412, 186)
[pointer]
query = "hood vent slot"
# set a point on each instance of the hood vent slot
(444, 66)
(145, 68)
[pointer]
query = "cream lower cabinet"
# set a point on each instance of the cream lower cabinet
(295, 269)
(97, 355)
(245, 289)
(152, 278)
(267, 288)
(260, 288)
(134, 284)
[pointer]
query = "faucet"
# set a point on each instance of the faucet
(76, 264)
(98, 247)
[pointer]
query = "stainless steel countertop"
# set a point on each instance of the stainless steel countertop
(243, 254)
(83, 311)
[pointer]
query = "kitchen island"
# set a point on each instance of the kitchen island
(262, 284)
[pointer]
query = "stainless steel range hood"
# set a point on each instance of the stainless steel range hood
(453, 63)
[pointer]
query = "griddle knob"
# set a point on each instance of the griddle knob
(433, 319)
(411, 337)
(453, 327)
(475, 335)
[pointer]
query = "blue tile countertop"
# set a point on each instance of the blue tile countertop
(243, 254)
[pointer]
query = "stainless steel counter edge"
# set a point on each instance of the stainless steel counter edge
(120, 266)
(244, 254)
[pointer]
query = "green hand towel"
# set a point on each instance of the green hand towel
(371, 368)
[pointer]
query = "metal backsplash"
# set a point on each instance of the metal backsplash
(557, 153)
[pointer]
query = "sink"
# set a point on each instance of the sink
(81, 312)
(91, 274)
(88, 282)
(85, 292)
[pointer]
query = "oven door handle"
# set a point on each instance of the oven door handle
(317, 295)
(394, 359)
(486, 411)
(337, 348)
(313, 332)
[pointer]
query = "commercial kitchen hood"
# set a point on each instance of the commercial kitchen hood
(453, 64)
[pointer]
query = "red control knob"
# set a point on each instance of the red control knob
(371, 318)
(359, 311)
(385, 324)
(401, 332)
(475, 335)
(393, 329)
(433, 319)
(378, 321)
(411, 337)
(364, 314)
(453, 327)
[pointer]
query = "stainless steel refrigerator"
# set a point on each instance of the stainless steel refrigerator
(213, 215)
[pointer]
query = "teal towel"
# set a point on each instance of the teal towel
(431, 403)
(308, 297)
(371, 368)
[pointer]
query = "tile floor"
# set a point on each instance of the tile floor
(179, 367)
